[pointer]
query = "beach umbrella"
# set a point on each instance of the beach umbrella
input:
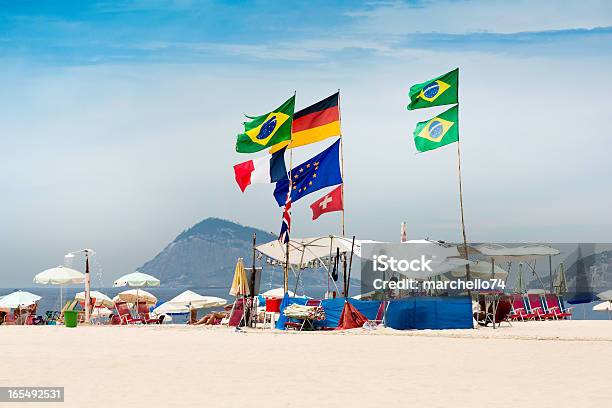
(18, 299)
(136, 280)
(604, 307)
(61, 276)
(607, 295)
(101, 298)
(135, 296)
(239, 283)
(196, 301)
(277, 293)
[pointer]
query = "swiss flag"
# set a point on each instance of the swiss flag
(328, 203)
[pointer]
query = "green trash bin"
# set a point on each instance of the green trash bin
(71, 318)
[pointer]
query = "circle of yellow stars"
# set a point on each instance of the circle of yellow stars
(301, 170)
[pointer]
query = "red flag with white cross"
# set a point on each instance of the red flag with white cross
(330, 202)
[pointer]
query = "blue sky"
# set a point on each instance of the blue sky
(118, 119)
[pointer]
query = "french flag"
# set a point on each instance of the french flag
(267, 169)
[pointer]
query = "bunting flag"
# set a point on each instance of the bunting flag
(267, 130)
(323, 170)
(267, 169)
(314, 123)
(328, 203)
(439, 131)
(443, 90)
(286, 224)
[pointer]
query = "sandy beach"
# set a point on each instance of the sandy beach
(533, 364)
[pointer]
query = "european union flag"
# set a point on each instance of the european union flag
(321, 171)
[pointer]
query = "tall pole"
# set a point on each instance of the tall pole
(550, 274)
(341, 165)
(286, 271)
(465, 246)
(87, 289)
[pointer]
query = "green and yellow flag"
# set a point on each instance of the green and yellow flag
(267, 130)
(442, 90)
(439, 131)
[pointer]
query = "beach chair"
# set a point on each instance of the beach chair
(380, 315)
(237, 316)
(553, 305)
(518, 308)
(145, 317)
(536, 307)
(9, 319)
(123, 310)
(317, 313)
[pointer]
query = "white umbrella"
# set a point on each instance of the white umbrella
(277, 293)
(60, 275)
(136, 280)
(197, 301)
(18, 299)
(607, 295)
(101, 298)
(604, 307)
(168, 307)
(135, 296)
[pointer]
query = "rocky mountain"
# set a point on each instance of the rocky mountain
(206, 254)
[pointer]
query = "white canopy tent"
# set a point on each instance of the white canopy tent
(305, 250)
(523, 255)
(482, 270)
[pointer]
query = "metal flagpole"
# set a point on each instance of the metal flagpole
(465, 246)
(286, 272)
(341, 164)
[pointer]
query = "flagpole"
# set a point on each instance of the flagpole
(341, 163)
(465, 246)
(286, 271)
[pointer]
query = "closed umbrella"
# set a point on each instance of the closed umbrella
(239, 283)
(61, 276)
(101, 298)
(18, 299)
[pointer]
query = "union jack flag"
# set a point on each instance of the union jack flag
(286, 225)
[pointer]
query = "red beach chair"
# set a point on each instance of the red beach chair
(380, 315)
(145, 317)
(553, 306)
(123, 311)
(536, 307)
(518, 309)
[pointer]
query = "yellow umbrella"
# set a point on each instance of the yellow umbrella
(239, 284)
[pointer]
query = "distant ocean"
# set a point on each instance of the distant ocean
(51, 297)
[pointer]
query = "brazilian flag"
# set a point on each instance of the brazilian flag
(439, 131)
(267, 130)
(442, 90)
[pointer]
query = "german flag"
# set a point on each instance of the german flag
(314, 123)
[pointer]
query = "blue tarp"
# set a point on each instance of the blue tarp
(410, 313)
(430, 313)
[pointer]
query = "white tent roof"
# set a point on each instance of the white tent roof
(521, 253)
(60, 275)
(304, 250)
(481, 269)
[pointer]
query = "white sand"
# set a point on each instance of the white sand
(534, 364)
